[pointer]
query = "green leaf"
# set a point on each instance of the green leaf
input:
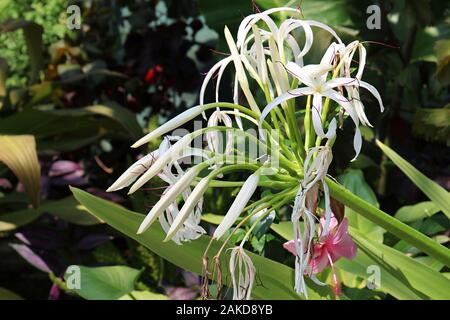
(435, 192)
(67, 209)
(416, 212)
(275, 280)
(71, 211)
(112, 110)
(433, 124)
(354, 181)
(419, 276)
(143, 295)
(16, 219)
(334, 13)
(66, 130)
(19, 154)
(6, 294)
(106, 283)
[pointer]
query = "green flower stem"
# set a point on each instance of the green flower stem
(391, 224)
(309, 132)
(281, 203)
(284, 162)
(267, 205)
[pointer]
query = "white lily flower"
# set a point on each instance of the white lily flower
(172, 193)
(240, 72)
(174, 153)
(186, 211)
(170, 125)
(315, 170)
(213, 137)
(140, 166)
(242, 274)
(238, 205)
(136, 169)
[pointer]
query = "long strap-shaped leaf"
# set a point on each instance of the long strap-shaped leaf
(391, 224)
(19, 154)
(433, 191)
(274, 280)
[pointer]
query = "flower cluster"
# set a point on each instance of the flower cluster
(268, 58)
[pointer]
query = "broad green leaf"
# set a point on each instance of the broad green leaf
(442, 49)
(19, 154)
(71, 211)
(430, 262)
(417, 212)
(143, 295)
(111, 110)
(105, 283)
(435, 192)
(354, 181)
(275, 281)
(334, 13)
(6, 294)
(67, 209)
(433, 124)
(419, 276)
(16, 219)
(65, 130)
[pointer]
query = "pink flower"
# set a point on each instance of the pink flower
(336, 244)
(331, 247)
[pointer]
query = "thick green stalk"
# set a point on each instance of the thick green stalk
(391, 224)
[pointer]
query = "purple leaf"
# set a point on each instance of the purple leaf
(32, 258)
(91, 241)
(63, 167)
(180, 293)
(5, 184)
(42, 238)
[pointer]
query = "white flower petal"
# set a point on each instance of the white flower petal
(188, 207)
(238, 205)
(168, 198)
(170, 125)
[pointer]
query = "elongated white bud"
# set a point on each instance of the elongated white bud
(170, 125)
(167, 199)
(188, 207)
(130, 175)
(174, 152)
(238, 205)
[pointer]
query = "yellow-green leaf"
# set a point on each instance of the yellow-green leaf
(19, 154)
(432, 190)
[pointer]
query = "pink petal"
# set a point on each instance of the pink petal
(345, 248)
(320, 260)
(290, 246)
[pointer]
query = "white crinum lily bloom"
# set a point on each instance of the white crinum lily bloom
(242, 274)
(314, 78)
(315, 171)
(192, 202)
(213, 138)
(238, 205)
(169, 197)
(140, 166)
(188, 229)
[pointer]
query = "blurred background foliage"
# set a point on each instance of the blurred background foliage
(77, 99)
